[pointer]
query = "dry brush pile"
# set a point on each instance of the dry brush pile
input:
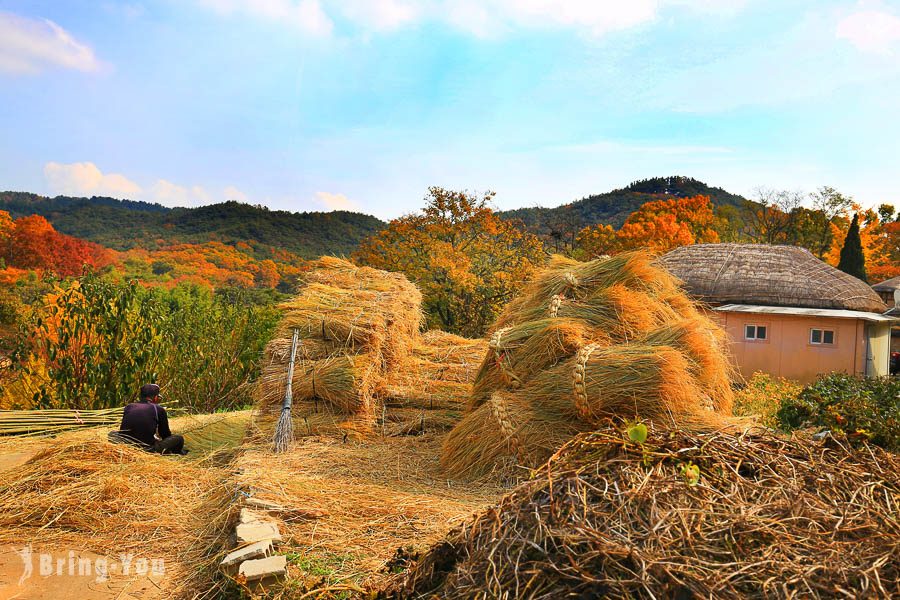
(680, 516)
(357, 328)
(583, 342)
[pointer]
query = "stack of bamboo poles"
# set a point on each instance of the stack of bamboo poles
(614, 337)
(357, 327)
(51, 422)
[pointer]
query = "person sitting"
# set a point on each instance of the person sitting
(146, 424)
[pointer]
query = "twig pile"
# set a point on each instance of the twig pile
(586, 341)
(681, 516)
(357, 326)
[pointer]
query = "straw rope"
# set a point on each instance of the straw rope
(578, 385)
(498, 410)
(571, 279)
(555, 303)
(496, 344)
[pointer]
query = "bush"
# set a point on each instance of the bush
(92, 343)
(862, 408)
(763, 396)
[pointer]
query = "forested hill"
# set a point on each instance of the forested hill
(615, 206)
(126, 224)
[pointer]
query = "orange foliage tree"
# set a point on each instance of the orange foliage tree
(32, 243)
(880, 236)
(659, 226)
(466, 260)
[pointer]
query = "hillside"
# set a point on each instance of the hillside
(615, 206)
(126, 224)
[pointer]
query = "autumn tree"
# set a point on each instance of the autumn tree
(658, 225)
(852, 260)
(466, 260)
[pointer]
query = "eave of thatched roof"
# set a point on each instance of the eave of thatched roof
(887, 286)
(762, 274)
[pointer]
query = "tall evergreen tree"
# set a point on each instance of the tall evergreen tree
(853, 261)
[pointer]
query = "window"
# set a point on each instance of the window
(821, 337)
(755, 332)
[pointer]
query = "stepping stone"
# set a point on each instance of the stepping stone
(263, 568)
(257, 531)
(256, 550)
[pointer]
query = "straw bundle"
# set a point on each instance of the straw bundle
(54, 421)
(439, 373)
(356, 326)
(682, 516)
(613, 337)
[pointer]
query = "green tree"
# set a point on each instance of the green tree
(853, 261)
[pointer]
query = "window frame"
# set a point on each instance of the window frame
(822, 343)
(756, 325)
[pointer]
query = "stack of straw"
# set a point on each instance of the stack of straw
(53, 421)
(681, 516)
(357, 326)
(587, 341)
(439, 374)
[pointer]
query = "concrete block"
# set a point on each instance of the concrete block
(251, 516)
(256, 550)
(257, 531)
(264, 505)
(263, 568)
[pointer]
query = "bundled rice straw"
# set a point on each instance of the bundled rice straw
(613, 337)
(682, 516)
(357, 327)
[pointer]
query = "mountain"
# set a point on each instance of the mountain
(564, 222)
(126, 224)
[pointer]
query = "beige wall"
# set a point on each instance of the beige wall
(787, 352)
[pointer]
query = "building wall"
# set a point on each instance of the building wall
(787, 351)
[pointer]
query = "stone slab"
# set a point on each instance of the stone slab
(263, 568)
(260, 549)
(248, 533)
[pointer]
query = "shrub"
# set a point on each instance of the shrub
(763, 396)
(862, 408)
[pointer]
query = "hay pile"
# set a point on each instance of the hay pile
(357, 326)
(683, 516)
(439, 374)
(585, 341)
(110, 499)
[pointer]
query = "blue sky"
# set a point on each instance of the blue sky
(363, 104)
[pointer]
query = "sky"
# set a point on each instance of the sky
(310, 105)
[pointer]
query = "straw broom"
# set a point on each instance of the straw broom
(284, 431)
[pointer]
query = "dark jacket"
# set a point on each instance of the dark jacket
(143, 419)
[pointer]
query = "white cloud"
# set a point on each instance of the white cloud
(870, 30)
(478, 17)
(232, 193)
(305, 15)
(85, 179)
(336, 201)
(29, 46)
(171, 194)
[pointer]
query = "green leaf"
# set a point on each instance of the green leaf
(637, 433)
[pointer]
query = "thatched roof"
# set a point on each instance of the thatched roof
(888, 286)
(767, 275)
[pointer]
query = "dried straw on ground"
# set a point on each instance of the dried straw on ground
(357, 328)
(684, 516)
(587, 341)
(110, 499)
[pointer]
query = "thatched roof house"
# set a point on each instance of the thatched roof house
(787, 312)
(768, 275)
(887, 290)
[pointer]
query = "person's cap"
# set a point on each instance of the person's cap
(149, 390)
